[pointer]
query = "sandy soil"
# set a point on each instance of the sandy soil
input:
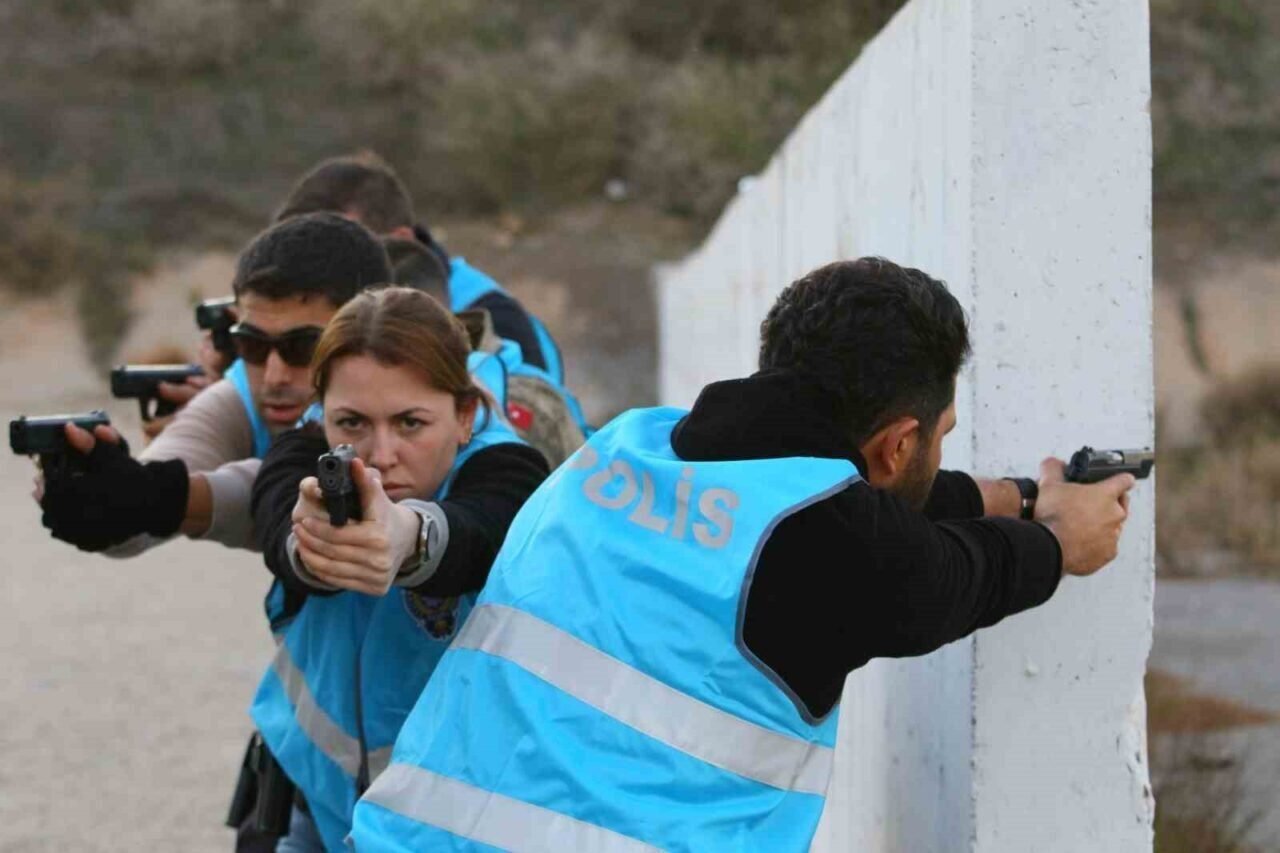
(126, 683)
(1222, 636)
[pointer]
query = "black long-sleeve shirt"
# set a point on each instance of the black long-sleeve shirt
(487, 492)
(510, 319)
(861, 575)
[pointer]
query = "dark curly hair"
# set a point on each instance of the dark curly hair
(313, 254)
(884, 341)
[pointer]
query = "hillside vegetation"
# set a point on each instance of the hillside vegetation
(147, 123)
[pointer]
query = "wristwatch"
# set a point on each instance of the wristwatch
(1029, 491)
(422, 548)
(433, 538)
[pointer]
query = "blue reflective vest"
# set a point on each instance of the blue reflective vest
(238, 377)
(493, 369)
(273, 603)
(347, 673)
(467, 285)
(600, 696)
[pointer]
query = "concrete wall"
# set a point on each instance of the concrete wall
(1003, 145)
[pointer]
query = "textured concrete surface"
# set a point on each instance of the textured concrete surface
(1003, 145)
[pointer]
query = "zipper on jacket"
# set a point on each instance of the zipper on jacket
(362, 776)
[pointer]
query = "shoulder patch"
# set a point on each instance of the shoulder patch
(521, 417)
(437, 616)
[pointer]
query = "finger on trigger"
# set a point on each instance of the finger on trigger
(368, 486)
(1053, 469)
(178, 392)
(1121, 483)
(79, 439)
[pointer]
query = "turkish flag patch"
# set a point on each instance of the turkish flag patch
(520, 416)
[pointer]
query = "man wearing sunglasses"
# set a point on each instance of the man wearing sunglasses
(195, 478)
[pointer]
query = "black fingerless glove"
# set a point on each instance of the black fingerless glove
(114, 497)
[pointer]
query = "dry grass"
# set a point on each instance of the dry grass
(1197, 780)
(1173, 707)
(1225, 495)
(1200, 797)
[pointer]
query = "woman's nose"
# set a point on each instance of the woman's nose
(382, 453)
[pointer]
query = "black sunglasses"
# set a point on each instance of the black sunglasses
(295, 346)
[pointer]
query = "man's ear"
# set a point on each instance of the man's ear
(401, 232)
(889, 452)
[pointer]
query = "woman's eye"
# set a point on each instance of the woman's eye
(409, 422)
(348, 423)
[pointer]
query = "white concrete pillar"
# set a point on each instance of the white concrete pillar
(1061, 225)
(1004, 146)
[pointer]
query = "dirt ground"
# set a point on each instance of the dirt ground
(127, 682)
(1219, 638)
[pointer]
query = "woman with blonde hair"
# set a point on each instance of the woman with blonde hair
(374, 603)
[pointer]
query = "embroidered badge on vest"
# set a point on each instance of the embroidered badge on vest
(437, 616)
(521, 417)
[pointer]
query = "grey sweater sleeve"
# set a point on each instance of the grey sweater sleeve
(231, 486)
(212, 430)
(213, 437)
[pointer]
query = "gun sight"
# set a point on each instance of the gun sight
(141, 382)
(1091, 466)
(217, 316)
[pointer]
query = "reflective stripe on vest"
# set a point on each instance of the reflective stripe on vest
(474, 813)
(602, 676)
(341, 748)
(646, 704)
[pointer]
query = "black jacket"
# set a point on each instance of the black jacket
(487, 492)
(510, 320)
(860, 575)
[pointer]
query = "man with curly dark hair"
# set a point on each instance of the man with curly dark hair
(664, 637)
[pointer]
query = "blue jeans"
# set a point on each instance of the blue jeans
(303, 836)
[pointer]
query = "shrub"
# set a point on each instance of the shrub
(539, 127)
(42, 248)
(173, 37)
(1197, 776)
(1245, 410)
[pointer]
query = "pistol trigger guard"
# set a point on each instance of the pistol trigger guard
(164, 408)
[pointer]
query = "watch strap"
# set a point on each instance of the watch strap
(1030, 491)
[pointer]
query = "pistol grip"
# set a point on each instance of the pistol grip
(164, 408)
(337, 509)
(57, 466)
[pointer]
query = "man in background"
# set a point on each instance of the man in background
(365, 188)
